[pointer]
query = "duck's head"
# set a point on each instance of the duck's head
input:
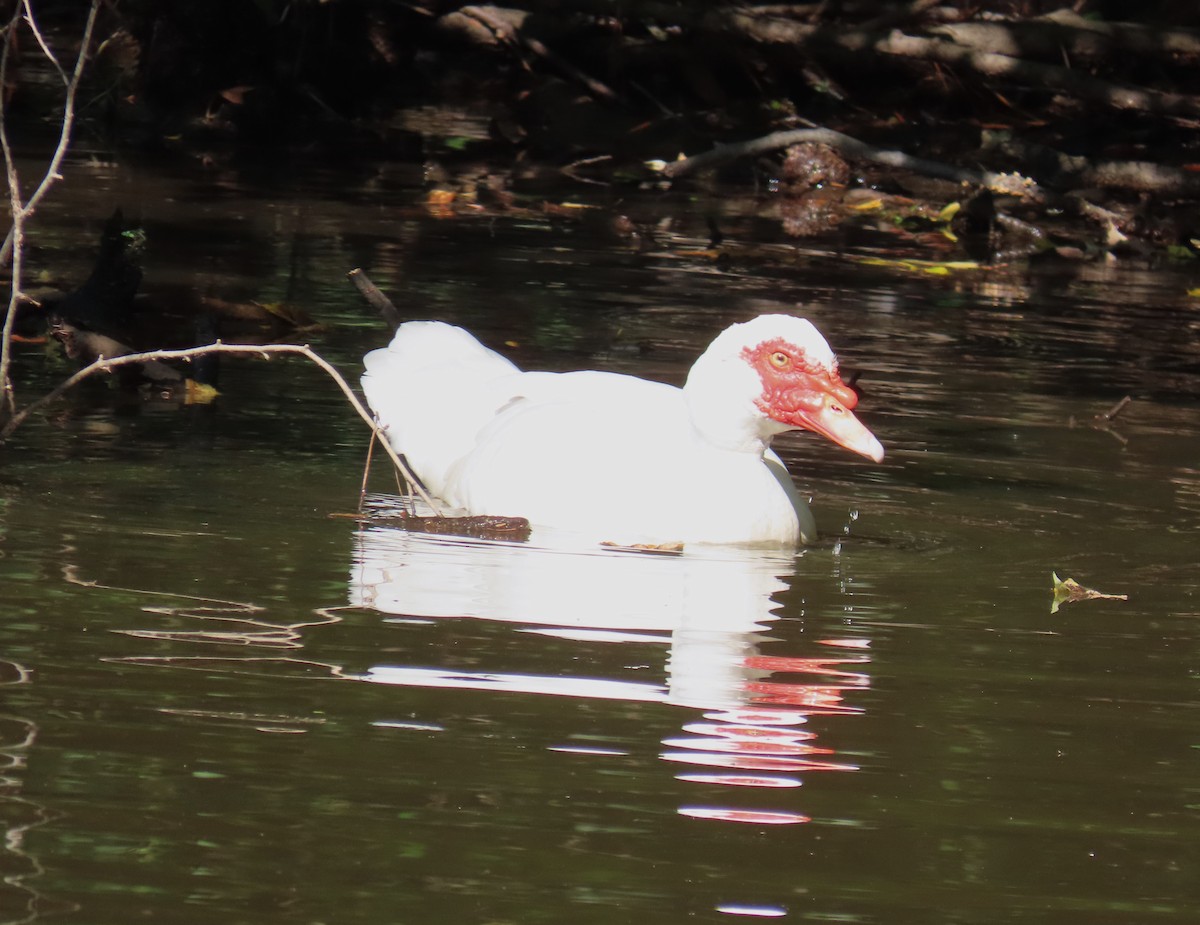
(784, 365)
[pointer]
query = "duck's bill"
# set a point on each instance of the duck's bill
(835, 422)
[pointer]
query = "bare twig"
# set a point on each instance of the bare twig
(72, 88)
(571, 169)
(15, 234)
(595, 87)
(375, 297)
(107, 364)
(510, 33)
(12, 246)
(37, 35)
(1105, 419)
(1111, 414)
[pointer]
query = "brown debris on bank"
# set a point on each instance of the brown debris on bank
(1079, 116)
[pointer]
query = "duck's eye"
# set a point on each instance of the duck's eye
(780, 360)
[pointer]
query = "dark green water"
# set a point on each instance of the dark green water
(220, 704)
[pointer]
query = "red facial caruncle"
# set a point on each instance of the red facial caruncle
(805, 393)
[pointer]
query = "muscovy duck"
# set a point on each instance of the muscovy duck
(615, 457)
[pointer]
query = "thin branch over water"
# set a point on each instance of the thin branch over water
(264, 351)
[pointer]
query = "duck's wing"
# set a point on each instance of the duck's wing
(433, 389)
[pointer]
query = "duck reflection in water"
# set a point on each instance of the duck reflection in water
(709, 607)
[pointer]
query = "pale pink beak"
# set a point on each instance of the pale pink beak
(836, 422)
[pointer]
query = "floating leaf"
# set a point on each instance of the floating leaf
(1069, 590)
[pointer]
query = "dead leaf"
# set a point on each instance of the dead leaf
(198, 393)
(1069, 591)
(438, 202)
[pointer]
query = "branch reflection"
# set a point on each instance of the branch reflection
(20, 900)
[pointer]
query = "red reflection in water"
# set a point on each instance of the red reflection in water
(746, 747)
(846, 643)
(823, 666)
(760, 717)
(816, 699)
(763, 736)
(747, 763)
(742, 731)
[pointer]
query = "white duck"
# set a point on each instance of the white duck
(616, 457)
